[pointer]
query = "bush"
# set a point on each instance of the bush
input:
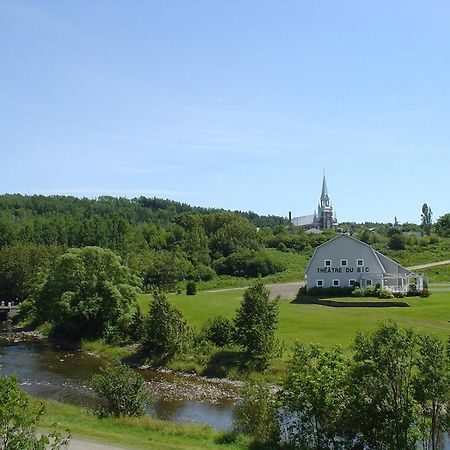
(385, 293)
(219, 331)
(358, 292)
(371, 291)
(202, 272)
(121, 391)
(248, 263)
(256, 413)
(301, 291)
(400, 294)
(191, 288)
(425, 293)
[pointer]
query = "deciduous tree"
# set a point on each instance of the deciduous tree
(426, 219)
(88, 290)
(19, 421)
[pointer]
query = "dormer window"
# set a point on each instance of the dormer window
(359, 262)
(344, 263)
(328, 263)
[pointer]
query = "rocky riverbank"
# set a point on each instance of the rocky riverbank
(16, 335)
(166, 384)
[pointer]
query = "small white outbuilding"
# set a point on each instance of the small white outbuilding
(344, 261)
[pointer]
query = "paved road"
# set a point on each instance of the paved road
(425, 266)
(284, 290)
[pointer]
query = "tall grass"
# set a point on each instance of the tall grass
(135, 432)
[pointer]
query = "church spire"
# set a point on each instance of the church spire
(324, 199)
(324, 187)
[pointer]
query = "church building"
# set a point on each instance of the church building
(323, 218)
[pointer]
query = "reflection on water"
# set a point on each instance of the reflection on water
(64, 376)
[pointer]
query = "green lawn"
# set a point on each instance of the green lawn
(321, 324)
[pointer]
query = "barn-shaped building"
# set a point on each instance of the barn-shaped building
(344, 261)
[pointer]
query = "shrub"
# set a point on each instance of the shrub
(358, 292)
(256, 413)
(400, 294)
(191, 288)
(219, 331)
(203, 273)
(385, 293)
(425, 293)
(301, 291)
(121, 391)
(248, 263)
(371, 291)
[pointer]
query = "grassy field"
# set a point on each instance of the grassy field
(142, 433)
(321, 324)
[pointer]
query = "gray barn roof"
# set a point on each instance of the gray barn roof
(387, 264)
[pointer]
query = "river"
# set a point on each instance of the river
(64, 376)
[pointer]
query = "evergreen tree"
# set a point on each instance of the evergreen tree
(256, 322)
(166, 332)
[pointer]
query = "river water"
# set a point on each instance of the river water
(65, 375)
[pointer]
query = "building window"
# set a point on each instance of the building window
(351, 283)
(359, 262)
(327, 262)
(335, 283)
(344, 263)
(368, 282)
(319, 283)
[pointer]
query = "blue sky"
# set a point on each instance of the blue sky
(230, 104)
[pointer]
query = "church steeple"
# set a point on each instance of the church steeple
(324, 199)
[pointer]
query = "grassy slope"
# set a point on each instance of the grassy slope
(321, 324)
(294, 262)
(142, 433)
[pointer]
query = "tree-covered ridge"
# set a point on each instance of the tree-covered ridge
(136, 210)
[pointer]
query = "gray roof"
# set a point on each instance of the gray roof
(387, 264)
(303, 220)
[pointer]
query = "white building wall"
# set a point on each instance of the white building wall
(338, 258)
